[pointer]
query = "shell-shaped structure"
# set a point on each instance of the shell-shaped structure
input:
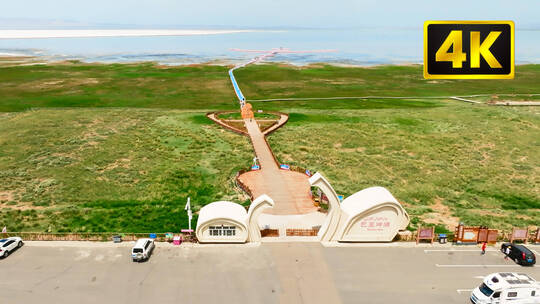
(228, 222)
(370, 215)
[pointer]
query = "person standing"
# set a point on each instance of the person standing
(507, 252)
(484, 248)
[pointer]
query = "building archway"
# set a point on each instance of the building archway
(369, 215)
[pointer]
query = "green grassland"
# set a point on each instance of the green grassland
(126, 170)
(142, 85)
(446, 162)
(146, 85)
(91, 147)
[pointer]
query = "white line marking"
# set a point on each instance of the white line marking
(457, 250)
(463, 290)
(479, 277)
(467, 265)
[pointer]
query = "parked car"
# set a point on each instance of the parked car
(507, 287)
(519, 254)
(142, 250)
(7, 246)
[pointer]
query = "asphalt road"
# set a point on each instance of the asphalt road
(84, 272)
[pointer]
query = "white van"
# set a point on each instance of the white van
(142, 250)
(507, 287)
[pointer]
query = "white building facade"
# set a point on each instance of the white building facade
(370, 215)
(228, 222)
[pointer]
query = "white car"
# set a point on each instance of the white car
(142, 250)
(7, 246)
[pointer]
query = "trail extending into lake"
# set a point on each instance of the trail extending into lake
(289, 190)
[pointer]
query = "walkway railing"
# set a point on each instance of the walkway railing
(237, 90)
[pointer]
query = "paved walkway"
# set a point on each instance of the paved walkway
(265, 156)
(289, 190)
(283, 118)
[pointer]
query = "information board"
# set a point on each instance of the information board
(425, 234)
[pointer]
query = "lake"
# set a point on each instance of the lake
(363, 47)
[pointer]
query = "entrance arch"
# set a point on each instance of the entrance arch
(370, 215)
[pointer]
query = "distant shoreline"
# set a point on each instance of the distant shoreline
(45, 34)
(7, 59)
(170, 47)
(19, 59)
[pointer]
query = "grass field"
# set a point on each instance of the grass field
(146, 85)
(446, 162)
(120, 147)
(113, 170)
(114, 85)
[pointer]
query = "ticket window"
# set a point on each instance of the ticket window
(222, 230)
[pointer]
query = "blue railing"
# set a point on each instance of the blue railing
(237, 90)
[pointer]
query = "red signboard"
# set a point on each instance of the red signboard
(482, 235)
(475, 235)
(493, 234)
(425, 234)
(519, 234)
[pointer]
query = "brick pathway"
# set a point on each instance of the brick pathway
(288, 189)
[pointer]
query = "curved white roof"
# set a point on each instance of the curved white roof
(367, 199)
(222, 209)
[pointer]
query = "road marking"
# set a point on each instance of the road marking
(463, 290)
(457, 250)
(469, 265)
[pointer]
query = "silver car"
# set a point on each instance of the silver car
(142, 250)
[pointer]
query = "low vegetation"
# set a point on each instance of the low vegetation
(120, 147)
(446, 161)
(146, 85)
(93, 170)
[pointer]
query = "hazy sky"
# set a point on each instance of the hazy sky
(271, 13)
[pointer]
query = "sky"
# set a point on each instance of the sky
(261, 14)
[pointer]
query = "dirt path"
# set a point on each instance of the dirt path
(289, 190)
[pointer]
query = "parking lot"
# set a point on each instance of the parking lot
(301, 272)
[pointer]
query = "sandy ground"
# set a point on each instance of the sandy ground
(88, 272)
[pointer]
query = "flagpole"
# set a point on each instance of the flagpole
(188, 209)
